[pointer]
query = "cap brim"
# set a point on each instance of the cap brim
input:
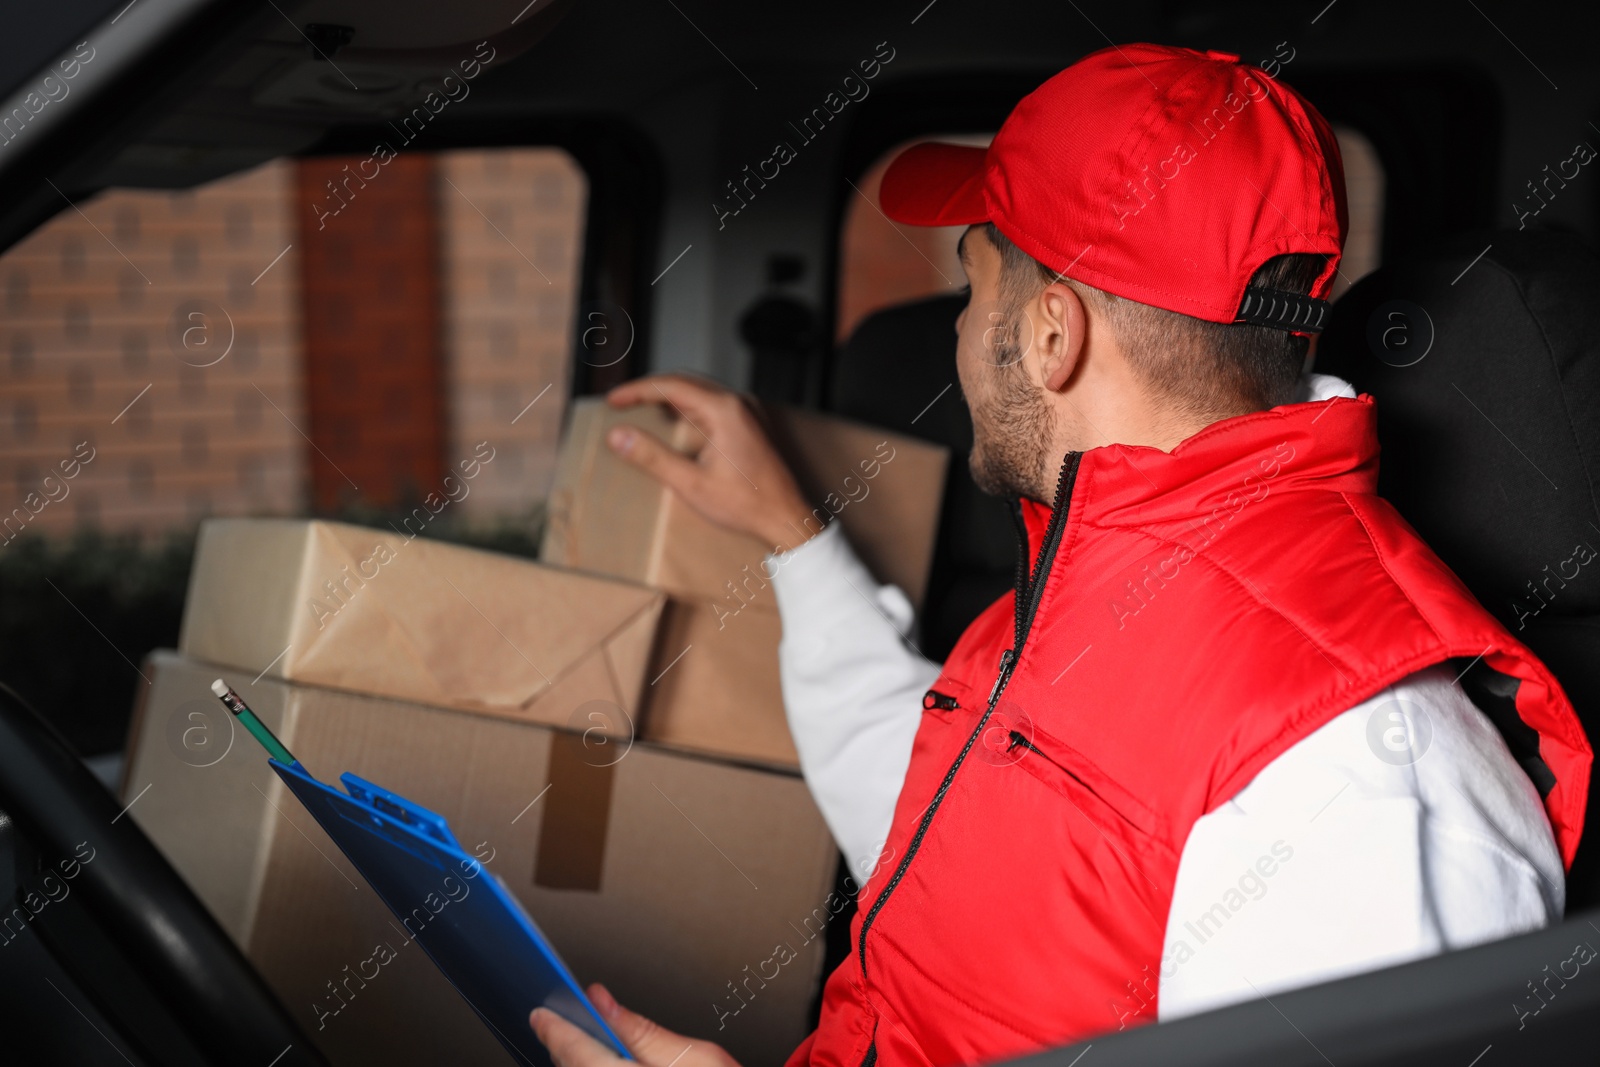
(935, 185)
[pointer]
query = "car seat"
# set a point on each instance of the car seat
(1483, 355)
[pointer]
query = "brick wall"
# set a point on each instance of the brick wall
(374, 375)
(109, 314)
(512, 229)
(419, 320)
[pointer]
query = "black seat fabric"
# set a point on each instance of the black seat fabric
(1484, 358)
(898, 371)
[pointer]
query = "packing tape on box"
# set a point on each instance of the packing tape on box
(572, 833)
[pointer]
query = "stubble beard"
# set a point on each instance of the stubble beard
(1012, 428)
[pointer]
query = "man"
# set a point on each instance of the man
(1219, 742)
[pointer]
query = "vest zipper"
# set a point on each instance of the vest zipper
(1030, 589)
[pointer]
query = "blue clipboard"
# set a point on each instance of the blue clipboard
(463, 916)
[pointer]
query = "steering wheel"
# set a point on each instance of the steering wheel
(118, 920)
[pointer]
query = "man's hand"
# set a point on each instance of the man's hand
(650, 1044)
(738, 480)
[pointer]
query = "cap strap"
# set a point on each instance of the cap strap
(1283, 310)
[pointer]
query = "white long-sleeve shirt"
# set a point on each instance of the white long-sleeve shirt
(1330, 862)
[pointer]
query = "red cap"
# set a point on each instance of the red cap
(1163, 175)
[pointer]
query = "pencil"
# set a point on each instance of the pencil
(257, 728)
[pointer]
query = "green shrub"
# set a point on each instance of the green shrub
(77, 614)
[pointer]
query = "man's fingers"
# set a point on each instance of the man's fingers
(650, 1043)
(670, 467)
(568, 1045)
(693, 397)
(628, 394)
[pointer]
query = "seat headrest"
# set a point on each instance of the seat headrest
(1483, 355)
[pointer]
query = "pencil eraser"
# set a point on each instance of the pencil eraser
(219, 687)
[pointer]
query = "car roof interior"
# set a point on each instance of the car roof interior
(690, 101)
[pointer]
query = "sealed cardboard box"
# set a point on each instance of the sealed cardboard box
(716, 686)
(610, 518)
(696, 890)
(714, 677)
(383, 613)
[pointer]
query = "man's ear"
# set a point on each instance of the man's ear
(1060, 335)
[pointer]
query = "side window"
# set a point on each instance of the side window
(1364, 192)
(331, 335)
(882, 264)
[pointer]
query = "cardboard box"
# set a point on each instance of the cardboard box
(696, 890)
(714, 677)
(608, 517)
(377, 612)
(716, 684)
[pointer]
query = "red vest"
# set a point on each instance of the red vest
(1193, 615)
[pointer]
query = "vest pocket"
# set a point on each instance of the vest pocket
(1082, 784)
